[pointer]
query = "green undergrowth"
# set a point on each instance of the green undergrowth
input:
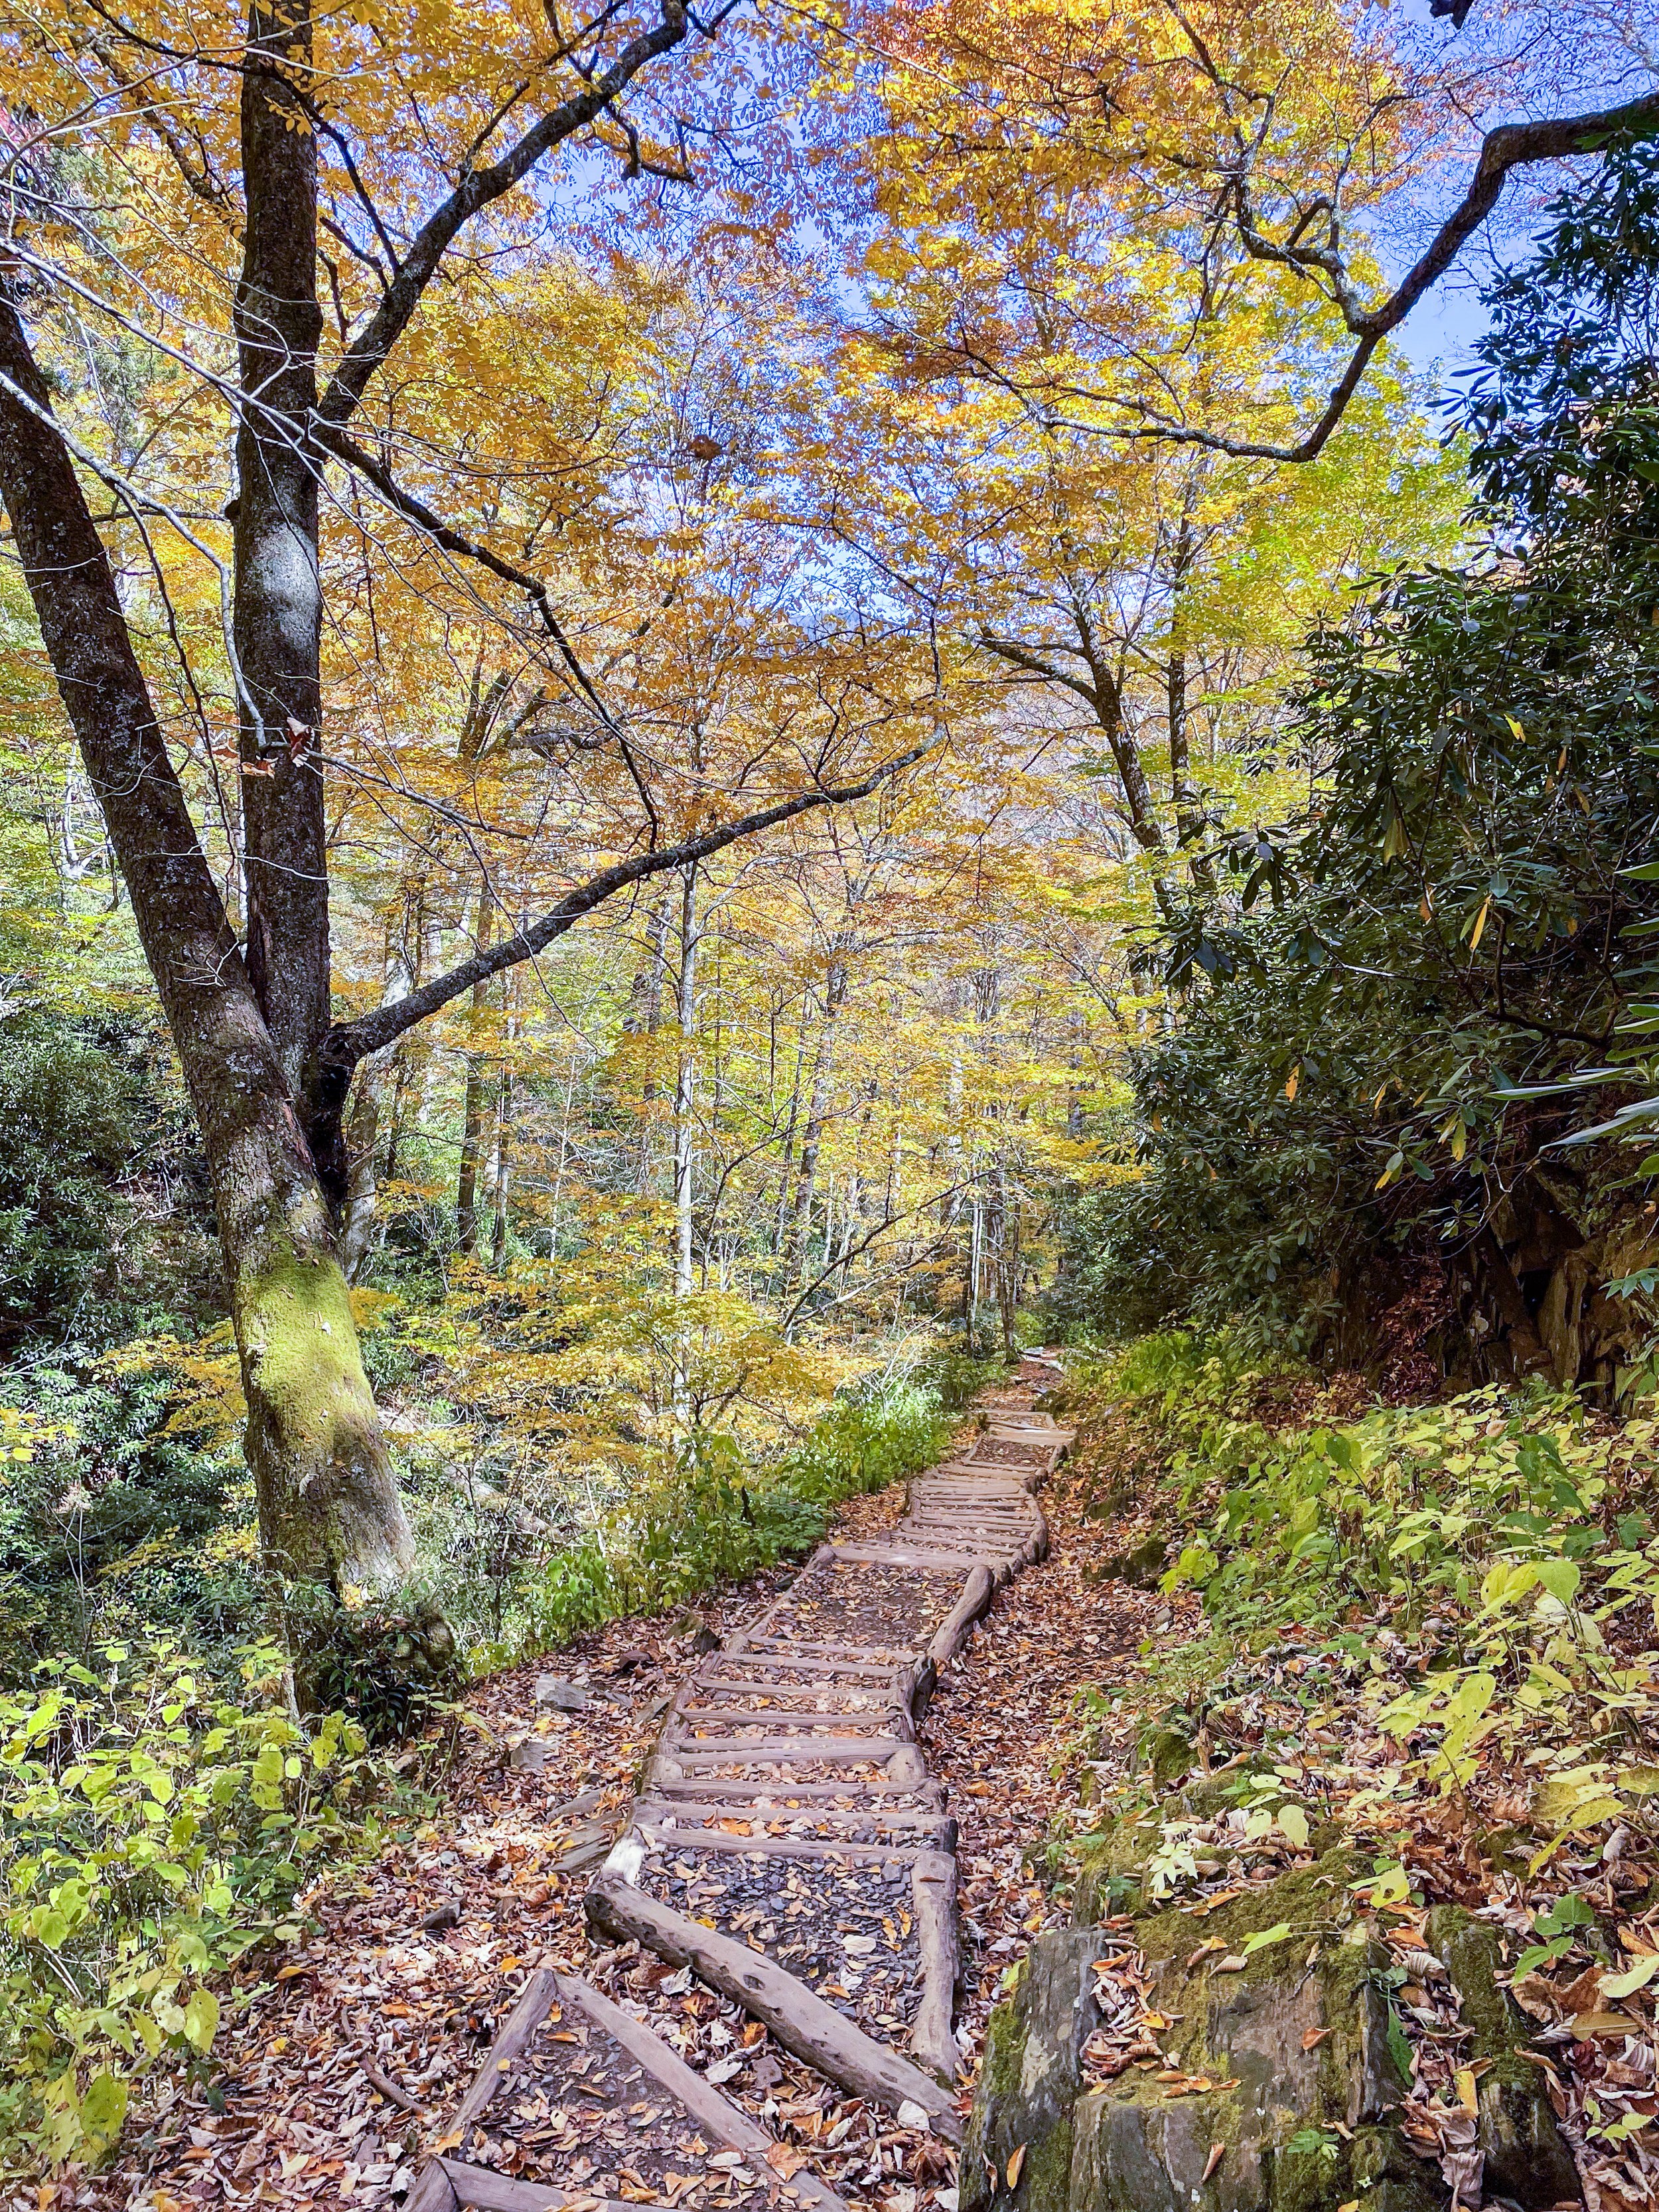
(1421, 1626)
(711, 1520)
(154, 1834)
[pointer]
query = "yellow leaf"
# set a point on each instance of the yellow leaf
(1296, 1078)
(1014, 2166)
(1479, 926)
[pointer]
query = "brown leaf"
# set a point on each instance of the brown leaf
(1014, 2166)
(1217, 2152)
(1313, 2037)
(784, 2160)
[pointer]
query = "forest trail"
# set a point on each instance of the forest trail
(347, 2081)
(789, 1848)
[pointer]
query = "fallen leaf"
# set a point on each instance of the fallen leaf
(1014, 2166)
(1217, 2152)
(785, 2160)
(1313, 2037)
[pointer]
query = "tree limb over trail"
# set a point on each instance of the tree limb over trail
(1510, 146)
(349, 1043)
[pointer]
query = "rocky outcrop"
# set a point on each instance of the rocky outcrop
(1280, 2073)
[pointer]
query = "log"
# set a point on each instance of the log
(700, 2098)
(801, 2020)
(933, 1895)
(476, 2187)
(434, 2192)
(952, 1633)
(525, 2017)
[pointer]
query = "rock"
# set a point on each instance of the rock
(630, 1658)
(1526, 2157)
(1301, 2033)
(1031, 2078)
(441, 1916)
(527, 1755)
(562, 1693)
(1140, 1568)
(1171, 1756)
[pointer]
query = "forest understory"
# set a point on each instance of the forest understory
(829, 1050)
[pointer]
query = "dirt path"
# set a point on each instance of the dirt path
(349, 2071)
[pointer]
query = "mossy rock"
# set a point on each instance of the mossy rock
(1526, 2157)
(1030, 2081)
(1140, 1567)
(1302, 2033)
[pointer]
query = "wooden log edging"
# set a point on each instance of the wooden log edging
(802, 2021)
(970, 1524)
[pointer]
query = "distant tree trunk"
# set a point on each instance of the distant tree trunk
(502, 1231)
(472, 1108)
(328, 1507)
(363, 1129)
(685, 1082)
(835, 996)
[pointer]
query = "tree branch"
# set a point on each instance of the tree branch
(348, 1042)
(476, 191)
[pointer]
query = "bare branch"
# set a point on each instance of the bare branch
(348, 1042)
(476, 191)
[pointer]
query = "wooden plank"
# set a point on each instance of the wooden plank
(700, 2098)
(809, 1661)
(801, 2020)
(781, 1717)
(765, 1792)
(899, 1654)
(525, 2017)
(663, 1840)
(938, 1827)
(834, 1750)
(926, 1560)
(892, 1684)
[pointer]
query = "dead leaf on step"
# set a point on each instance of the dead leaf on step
(785, 2161)
(1014, 2166)
(1313, 2037)
(1217, 2152)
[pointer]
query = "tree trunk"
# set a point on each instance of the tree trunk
(472, 1110)
(500, 1234)
(686, 1086)
(816, 1113)
(362, 1131)
(328, 1508)
(278, 600)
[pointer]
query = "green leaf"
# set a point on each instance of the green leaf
(103, 2110)
(1264, 1937)
(202, 2019)
(1625, 1984)
(1561, 1578)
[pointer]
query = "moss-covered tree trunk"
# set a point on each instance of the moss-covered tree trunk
(328, 1507)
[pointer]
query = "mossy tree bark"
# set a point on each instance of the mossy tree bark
(328, 1507)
